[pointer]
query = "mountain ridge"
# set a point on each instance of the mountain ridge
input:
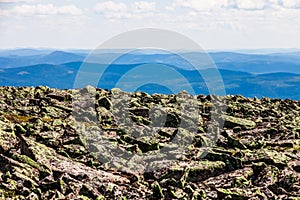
(276, 85)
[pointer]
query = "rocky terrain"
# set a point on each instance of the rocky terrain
(236, 147)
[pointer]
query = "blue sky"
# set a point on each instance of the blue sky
(214, 24)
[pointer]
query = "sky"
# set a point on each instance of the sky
(213, 24)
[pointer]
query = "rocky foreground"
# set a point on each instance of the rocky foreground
(254, 153)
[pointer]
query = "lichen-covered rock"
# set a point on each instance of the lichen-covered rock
(72, 144)
(233, 122)
(8, 139)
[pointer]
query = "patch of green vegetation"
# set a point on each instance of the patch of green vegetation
(22, 118)
(17, 118)
(32, 163)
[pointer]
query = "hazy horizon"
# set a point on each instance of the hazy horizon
(242, 50)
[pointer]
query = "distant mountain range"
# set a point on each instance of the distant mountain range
(275, 75)
(55, 58)
(252, 63)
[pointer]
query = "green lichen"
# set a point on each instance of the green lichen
(32, 163)
(236, 194)
(232, 122)
(157, 191)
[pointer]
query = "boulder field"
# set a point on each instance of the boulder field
(60, 144)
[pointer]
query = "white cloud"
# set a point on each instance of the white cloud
(276, 2)
(264, 4)
(215, 23)
(229, 4)
(45, 9)
(110, 6)
(113, 10)
(200, 5)
(251, 4)
(291, 3)
(4, 13)
(17, 1)
(248, 5)
(144, 6)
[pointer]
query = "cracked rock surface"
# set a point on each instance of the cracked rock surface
(249, 149)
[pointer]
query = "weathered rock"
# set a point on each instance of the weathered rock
(105, 102)
(8, 139)
(232, 122)
(72, 144)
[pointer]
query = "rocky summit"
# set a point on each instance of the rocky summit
(66, 144)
